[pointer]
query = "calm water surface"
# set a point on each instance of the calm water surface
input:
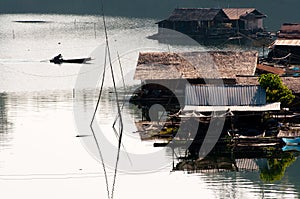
(40, 155)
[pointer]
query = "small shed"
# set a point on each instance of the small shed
(245, 19)
(289, 31)
(286, 47)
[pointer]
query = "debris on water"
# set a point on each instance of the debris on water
(79, 136)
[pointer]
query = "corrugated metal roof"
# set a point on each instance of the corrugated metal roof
(194, 14)
(287, 42)
(236, 13)
(267, 107)
(239, 95)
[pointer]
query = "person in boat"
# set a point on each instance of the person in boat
(57, 59)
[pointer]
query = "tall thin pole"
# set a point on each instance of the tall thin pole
(117, 101)
(91, 126)
(95, 30)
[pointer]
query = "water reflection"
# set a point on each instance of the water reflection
(39, 123)
(3, 113)
(270, 162)
(259, 172)
(5, 125)
(15, 108)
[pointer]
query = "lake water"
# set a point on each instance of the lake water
(46, 146)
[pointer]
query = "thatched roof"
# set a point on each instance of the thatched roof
(292, 83)
(247, 80)
(195, 65)
(237, 13)
(194, 14)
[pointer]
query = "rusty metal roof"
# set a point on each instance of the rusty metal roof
(287, 42)
(270, 69)
(237, 13)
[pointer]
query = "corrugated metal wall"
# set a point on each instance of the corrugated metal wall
(239, 95)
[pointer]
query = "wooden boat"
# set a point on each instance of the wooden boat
(292, 141)
(75, 61)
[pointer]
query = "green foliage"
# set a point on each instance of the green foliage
(276, 90)
(277, 167)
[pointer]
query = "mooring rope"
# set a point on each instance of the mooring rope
(281, 58)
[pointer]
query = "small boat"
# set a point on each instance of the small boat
(292, 141)
(75, 61)
(291, 148)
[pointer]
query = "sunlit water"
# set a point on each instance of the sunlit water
(40, 155)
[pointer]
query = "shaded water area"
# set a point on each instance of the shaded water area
(40, 154)
(46, 147)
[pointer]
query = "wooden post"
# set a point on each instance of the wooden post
(289, 64)
(173, 163)
(95, 30)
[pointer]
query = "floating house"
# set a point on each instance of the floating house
(286, 48)
(202, 82)
(211, 23)
(194, 89)
(174, 71)
(201, 22)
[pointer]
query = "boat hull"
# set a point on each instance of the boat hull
(291, 148)
(291, 141)
(75, 61)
